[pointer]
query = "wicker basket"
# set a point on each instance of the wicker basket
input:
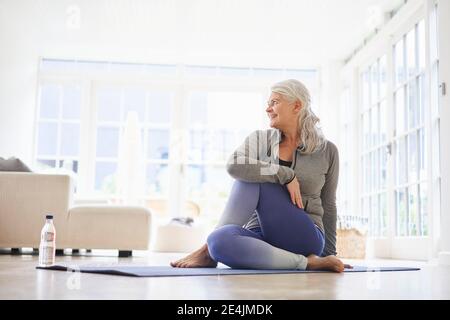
(351, 243)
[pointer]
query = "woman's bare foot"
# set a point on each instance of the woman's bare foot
(326, 263)
(197, 259)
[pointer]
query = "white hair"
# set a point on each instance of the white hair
(310, 134)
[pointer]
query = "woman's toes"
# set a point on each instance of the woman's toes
(175, 263)
(180, 264)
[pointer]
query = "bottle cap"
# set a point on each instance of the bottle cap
(49, 216)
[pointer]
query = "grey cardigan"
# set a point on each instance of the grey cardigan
(256, 160)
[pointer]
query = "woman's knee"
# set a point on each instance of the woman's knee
(277, 193)
(246, 188)
(219, 240)
(242, 183)
(274, 189)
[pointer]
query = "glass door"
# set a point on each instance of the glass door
(400, 143)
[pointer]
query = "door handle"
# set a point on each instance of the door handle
(443, 88)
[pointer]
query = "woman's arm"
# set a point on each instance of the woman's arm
(244, 164)
(328, 197)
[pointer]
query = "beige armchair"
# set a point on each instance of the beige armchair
(26, 197)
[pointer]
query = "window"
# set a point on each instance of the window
(396, 86)
(218, 123)
(347, 218)
(184, 118)
(152, 109)
(374, 146)
(58, 126)
(409, 142)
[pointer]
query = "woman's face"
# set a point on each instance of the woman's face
(281, 113)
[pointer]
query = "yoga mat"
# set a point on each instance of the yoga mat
(167, 271)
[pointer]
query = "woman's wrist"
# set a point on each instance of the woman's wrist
(290, 180)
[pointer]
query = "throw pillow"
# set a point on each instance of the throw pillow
(13, 164)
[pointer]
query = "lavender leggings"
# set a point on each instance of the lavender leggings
(285, 237)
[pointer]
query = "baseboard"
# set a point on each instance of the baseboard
(444, 258)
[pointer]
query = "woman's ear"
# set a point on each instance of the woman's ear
(297, 106)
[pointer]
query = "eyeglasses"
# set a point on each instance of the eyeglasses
(272, 103)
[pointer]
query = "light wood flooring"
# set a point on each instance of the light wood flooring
(20, 280)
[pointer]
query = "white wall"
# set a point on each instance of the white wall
(18, 58)
(444, 76)
(330, 90)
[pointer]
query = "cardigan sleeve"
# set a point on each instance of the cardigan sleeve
(328, 197)
(245, 164)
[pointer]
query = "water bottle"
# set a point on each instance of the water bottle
(48, 243)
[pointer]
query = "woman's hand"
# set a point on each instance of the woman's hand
(294, 191)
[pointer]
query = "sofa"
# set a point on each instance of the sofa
(25, 199)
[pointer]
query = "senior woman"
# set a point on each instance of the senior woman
(281, 213)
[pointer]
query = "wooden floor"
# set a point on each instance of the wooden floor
(20, 280)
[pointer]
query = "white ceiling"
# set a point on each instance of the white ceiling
(293, 33)
(304, 32)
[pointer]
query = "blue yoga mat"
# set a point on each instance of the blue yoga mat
(167, 271)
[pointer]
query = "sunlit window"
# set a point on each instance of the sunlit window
(114, 105)
(213, 107)
(374, 146)
(410, 131)
(58, 126)
(218, 123)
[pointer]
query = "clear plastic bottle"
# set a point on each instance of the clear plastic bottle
(48, 243)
